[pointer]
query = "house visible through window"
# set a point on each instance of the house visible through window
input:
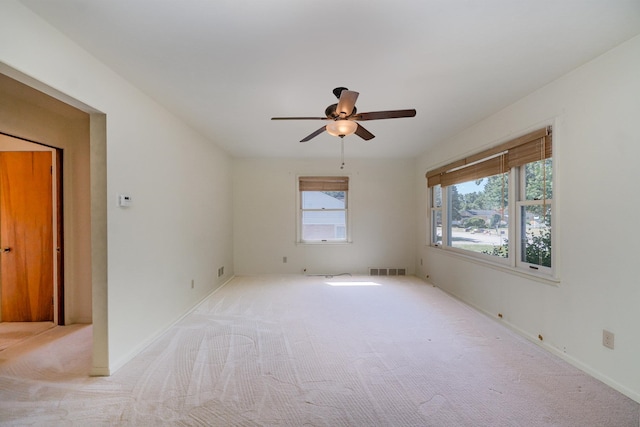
(323, 209)
(496, 205)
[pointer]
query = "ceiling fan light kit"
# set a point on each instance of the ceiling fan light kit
(341, 128)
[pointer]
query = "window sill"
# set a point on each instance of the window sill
(538, 277)
(324, 243)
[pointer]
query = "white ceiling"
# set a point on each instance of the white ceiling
(227, 66)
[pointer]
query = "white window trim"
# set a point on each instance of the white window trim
(433, 209)
(547, 275)
(298, 207)
(539, 269)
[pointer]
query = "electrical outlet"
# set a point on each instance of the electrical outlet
(193, 283)
(284, 259)
(608, 339)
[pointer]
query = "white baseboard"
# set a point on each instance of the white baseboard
(553, 350)
(101, 371)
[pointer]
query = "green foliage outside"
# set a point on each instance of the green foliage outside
(495, 194)
(538, 180)
(457, 206)
(475, 222)
(495, 221)
(501, 251)
(537, 251)
(494, 197)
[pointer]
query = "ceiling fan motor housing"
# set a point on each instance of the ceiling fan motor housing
(338, 91)
(331, 113)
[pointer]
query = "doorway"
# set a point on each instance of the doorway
(34, 111)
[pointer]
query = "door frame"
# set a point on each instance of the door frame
(58, 229)
(59, 233)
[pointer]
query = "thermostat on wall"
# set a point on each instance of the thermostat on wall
(124, 200)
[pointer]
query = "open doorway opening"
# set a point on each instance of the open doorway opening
(32, 111)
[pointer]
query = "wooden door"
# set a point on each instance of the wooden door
(26, 236)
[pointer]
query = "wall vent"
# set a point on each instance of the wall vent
(387, 271)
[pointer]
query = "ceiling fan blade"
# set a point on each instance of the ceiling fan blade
(298, 118)
(346, 103)
(392, 114)
(314, 134)
(364, 134)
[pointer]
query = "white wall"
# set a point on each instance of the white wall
(381, 201)
(596, 150)
(180, 225)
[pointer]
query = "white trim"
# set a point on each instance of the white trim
(546, 279)
(348, 208)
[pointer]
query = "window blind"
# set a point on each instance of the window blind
(530, 152)
(323, 183)
(489, 167)
(536, 145)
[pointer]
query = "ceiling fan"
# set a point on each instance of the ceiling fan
(343, 116)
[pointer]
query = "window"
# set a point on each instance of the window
(534, 210)
(472, 201)
(477, 215)
(323, 209)
(436, 215)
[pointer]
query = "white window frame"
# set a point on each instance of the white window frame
(523, 202)
(299, 217)
(447, 238)
(436, 210)
(517, 199)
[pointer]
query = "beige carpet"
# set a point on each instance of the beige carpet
(12, 333)
(310, 351)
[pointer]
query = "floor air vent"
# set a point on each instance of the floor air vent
(387, 271)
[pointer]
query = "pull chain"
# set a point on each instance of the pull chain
(342, 151)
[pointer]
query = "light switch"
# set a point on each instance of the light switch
(124, 200)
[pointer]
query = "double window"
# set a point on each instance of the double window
(323, 216)
(496, 205)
